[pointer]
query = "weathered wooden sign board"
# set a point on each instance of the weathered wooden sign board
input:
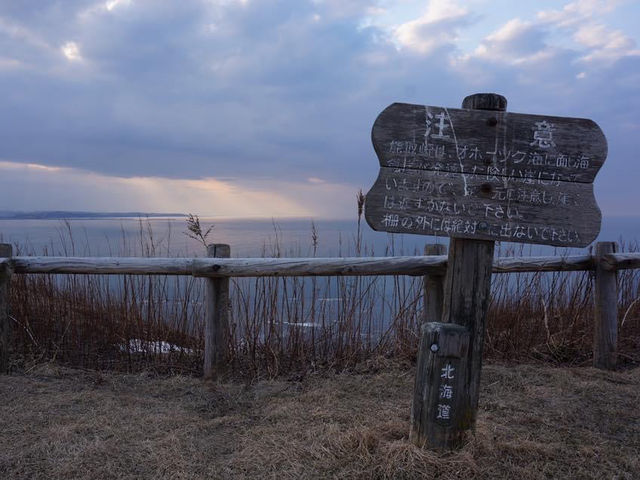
(478, 175)
(486, 174)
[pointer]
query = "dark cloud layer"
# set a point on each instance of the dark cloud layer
(269, 89)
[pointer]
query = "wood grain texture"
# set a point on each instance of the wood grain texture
(620, 261)
(217, 308)
(466, 300)
(319, 266)
(570, 263)
(489, 208)
(5, 325)
(438, 408)
(433, 287)
(422, 137)
(261, 267)
(104, 265)
(605, 334)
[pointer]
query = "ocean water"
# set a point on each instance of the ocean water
(248, 238)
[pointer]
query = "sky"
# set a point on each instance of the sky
(264, 108)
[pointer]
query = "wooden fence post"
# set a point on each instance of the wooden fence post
(442, 413)
(433, 287)
(5, 324)
(605, 334)
(441, 367)
(467, 291)
(216, 342)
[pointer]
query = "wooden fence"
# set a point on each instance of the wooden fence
(218, 268)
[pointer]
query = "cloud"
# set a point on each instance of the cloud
(438, 27)
(516, 42)
(554, 50)
(71, 51)
(160, 92)
(573, 14)
(8, 63)
(606, 45)
(601, 44)
(519, 55)
(273, 97)
(20, 33)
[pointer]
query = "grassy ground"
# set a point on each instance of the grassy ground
(534, 422)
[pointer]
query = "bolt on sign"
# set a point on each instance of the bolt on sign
(489, 175)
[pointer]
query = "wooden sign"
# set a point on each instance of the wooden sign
(489, 175)
(476, 174)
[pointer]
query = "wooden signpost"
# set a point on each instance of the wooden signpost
(486, 174)
(478, 175)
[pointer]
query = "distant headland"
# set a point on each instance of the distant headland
(68, 215)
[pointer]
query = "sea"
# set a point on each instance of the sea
(286, 237)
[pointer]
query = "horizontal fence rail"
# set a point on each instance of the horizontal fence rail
(263, 267)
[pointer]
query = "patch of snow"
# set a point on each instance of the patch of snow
(137, 345)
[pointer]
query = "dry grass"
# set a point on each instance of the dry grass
(535, 422)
